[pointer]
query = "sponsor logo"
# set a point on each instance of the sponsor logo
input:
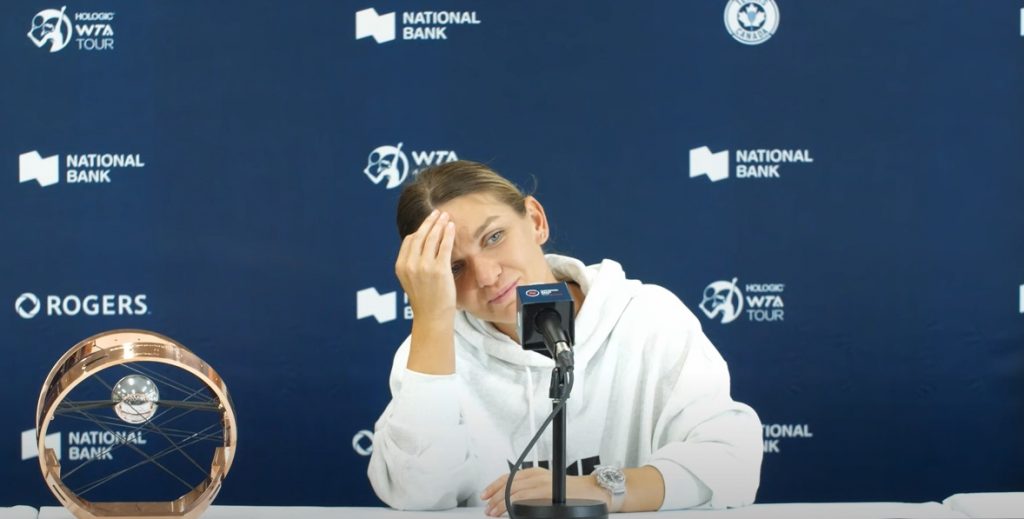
(86, 168)
(533, 292)
(382, 307)
(725, 300)
(774, 433)
(751, 22)
(30, 449)
(44, 170)
(415, 25)
(391, 163)
(82, 445)
(749, 163)
(28, 305)
(362, 442)
(379, 26)
(370, 303)
(91, 31)
(714, 165)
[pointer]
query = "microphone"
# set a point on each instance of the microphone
(545, 320)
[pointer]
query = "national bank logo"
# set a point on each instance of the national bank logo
(725, 301)
(29, 305)
(53, 29)
(713, 165)
(763, 164)
(44, 170)
(30, 449)
(380, 26)
(774, 433)
(82, 445)
(83, 168)
(382, 307)
(416, 25)
(390, 164)
(751, 22)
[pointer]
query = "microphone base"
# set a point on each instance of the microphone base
(572, 509)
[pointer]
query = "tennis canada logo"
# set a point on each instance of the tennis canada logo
(751, 22)
(750, 163)
(724, 301)
(390, 164)
(416, 25)
(91, 31)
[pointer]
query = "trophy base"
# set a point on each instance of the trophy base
(572, 509)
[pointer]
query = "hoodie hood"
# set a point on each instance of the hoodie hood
(606, 292)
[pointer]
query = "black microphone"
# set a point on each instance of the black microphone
(545, 320)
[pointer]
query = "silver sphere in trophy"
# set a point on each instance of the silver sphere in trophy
(136, 398)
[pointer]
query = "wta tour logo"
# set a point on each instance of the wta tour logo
(53, 27)
(391, 164)
(751, 22)
(725, 302)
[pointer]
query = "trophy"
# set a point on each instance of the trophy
(131, 424)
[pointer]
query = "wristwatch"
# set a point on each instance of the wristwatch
(612, 479)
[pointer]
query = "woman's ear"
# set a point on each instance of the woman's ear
(538, 220)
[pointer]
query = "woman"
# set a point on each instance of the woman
(650, 401)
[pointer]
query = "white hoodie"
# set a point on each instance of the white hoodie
(650, 389)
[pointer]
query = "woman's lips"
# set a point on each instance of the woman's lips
(504, 295)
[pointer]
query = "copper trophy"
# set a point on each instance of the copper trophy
(132, 424)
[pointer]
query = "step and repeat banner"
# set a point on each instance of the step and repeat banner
(835, 189)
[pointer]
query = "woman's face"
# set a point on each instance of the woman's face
(495, 250)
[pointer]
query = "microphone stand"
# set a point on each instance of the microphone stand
(559, 507)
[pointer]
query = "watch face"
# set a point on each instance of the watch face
(612, 478)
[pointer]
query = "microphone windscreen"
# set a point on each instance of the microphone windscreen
(532, 299)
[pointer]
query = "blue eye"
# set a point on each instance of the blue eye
(495, 238)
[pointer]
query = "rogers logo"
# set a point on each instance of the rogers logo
(28, 305)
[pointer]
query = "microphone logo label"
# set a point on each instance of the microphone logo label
(533, 292)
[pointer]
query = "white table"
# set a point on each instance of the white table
(17, 512)
(767, 511)
(991, 504)
(959, 506)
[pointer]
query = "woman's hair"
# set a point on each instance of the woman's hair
(440, 184)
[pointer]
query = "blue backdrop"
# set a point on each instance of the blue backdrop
(862, 182)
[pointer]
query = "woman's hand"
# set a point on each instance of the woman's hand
(424, 267)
